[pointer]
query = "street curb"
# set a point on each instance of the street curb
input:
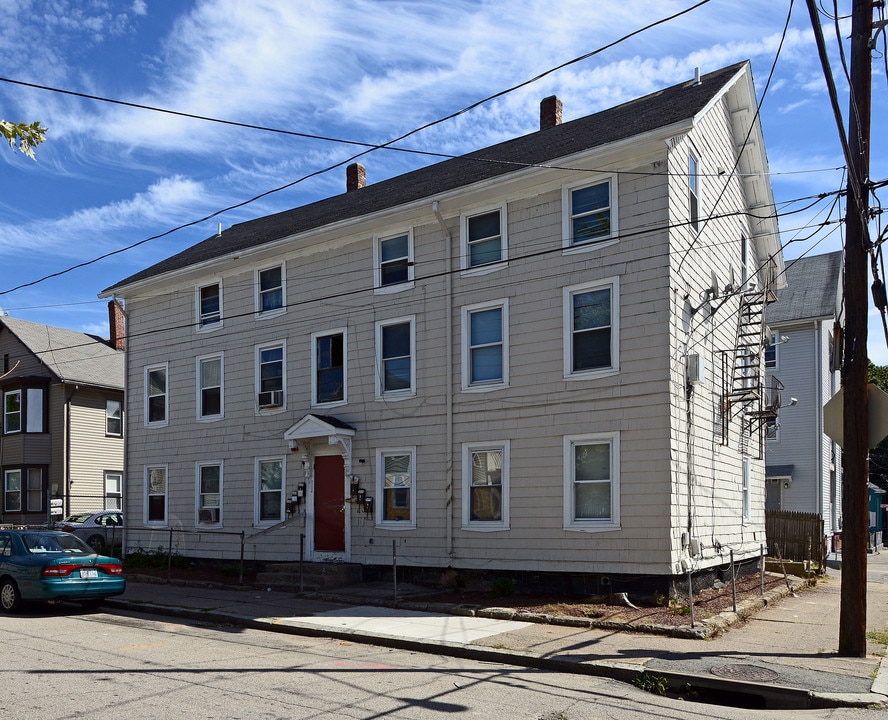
(775, 697)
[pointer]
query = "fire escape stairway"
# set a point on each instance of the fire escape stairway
(746, 387)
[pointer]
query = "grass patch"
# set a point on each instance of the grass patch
(878, 636)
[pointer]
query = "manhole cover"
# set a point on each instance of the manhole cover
(744, 672)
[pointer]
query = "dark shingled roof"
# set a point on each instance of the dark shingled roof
(636, 117)
(72, 356)
(813, 286)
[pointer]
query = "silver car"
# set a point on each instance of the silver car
(98, 530)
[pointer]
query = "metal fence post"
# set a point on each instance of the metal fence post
(395, 568)
(170, 557)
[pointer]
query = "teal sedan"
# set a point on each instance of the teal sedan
(45, 565)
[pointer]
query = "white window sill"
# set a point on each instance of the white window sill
(266, 314)
(486, 527)
(484, 269)
(593, 374)
(211, 327)
(603, 526)
(396, 395)
(589, 245)
(393, 525)
(391, 289)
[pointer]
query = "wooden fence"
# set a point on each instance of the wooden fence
(795, 536)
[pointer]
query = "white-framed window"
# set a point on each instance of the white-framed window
(23, 411)
(156, 495)
(395, 353)
(772, 429)
(156, 395)
(270, 290)
(329, 360)
(592, 482)
(35, 490)
(12, 411)
(12, 491)
(114, 418)
(590, 213)
(745, 489)
(271, 377)
(34, 415)
(113, 490)
(771, 357)
(484, 239)
(694, 191)
(395, 487)
(209, 493)
(210, 393)
(591, 328)
(485, 481)
(269, 491)
(209, 307)
(485, 346)
(393, 262)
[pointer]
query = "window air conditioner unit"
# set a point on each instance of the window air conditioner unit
(272, 398)
(208, 515)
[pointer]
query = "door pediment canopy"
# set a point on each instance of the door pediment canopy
(332, 429)
(316, 426)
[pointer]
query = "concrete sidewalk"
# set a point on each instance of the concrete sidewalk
(784, 656)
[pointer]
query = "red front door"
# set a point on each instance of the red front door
(329, 500)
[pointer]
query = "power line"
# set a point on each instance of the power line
(550, 249)
(372, 148)
(752, 125)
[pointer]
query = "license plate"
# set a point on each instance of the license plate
(92, 573)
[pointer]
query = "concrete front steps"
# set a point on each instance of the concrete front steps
(309, 576)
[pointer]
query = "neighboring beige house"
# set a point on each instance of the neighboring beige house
(510, 362)
(61, 446)
(804, 467)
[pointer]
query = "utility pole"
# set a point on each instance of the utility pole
(855, 498)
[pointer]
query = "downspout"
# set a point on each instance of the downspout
(66, 468)
(448, 374)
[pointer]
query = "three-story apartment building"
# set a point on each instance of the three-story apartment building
(516, 361)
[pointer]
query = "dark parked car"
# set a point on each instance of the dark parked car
(48, 565)
(98, 530)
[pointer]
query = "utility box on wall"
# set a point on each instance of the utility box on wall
(696, 368)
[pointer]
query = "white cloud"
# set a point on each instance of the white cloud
(162, 204)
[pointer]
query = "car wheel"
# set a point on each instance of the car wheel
(10, 597)
(96, 542)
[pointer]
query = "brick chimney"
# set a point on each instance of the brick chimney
(550, 112)
(355, 177)
(116, 324)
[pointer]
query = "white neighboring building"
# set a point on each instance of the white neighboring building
(804, 467)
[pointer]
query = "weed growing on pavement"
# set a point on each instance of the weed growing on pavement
(878, 636)
(649, 682)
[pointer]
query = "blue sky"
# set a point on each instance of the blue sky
(110, 176)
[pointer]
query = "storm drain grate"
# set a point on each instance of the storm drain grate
(744, 672)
